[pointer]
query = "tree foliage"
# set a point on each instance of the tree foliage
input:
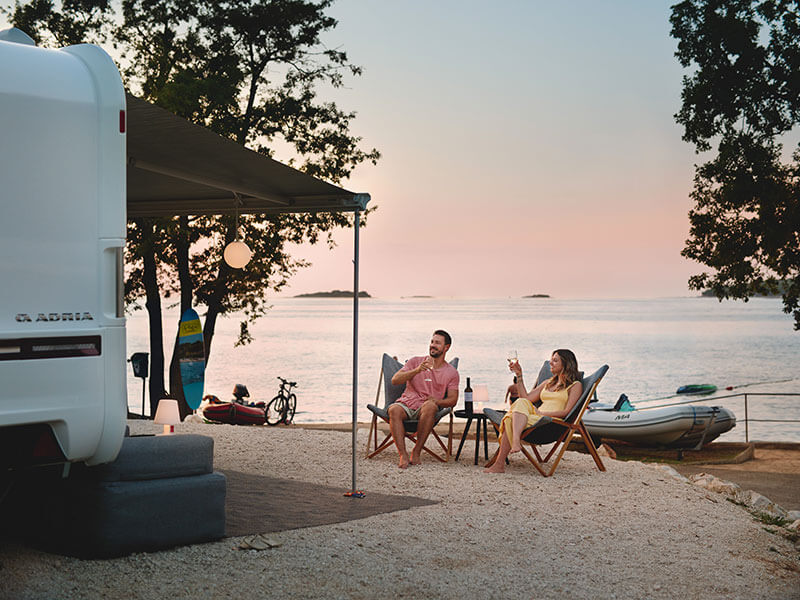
(743, 95)
(249, 70)
(76, 22)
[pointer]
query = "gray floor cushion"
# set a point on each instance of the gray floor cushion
(161, 492)
(156, 457)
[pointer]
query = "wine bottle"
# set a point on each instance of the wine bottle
(468, 398)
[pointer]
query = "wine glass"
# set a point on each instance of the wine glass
(428, 369)
(512, 357)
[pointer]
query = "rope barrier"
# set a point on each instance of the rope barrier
(708, 398)
(747, 420)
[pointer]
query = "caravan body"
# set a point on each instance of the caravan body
(62, 233)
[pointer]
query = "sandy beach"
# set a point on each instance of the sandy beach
(631, 532)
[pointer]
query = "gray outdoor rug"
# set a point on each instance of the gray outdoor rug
(259, 504)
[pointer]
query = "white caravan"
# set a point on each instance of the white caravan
(62, 232)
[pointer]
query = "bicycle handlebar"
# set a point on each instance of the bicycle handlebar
(291, 384)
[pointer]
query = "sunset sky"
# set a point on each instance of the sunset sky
(528, 147)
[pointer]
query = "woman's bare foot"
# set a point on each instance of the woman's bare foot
(515, 447)
(497, 467)
(415, 458)
(403, 464)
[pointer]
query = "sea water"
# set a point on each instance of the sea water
(652, 347)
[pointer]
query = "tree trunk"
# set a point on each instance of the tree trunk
(184, 276)
(208, 328)
(215, 304)
(153, 305)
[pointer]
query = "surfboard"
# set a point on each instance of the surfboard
(191, 357)
(697, 388)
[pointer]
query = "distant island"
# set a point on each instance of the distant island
(333, 294)
(711, 294)
(537, 296)
(404, 297)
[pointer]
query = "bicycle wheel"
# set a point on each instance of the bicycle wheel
(276, 410)
(291, 405)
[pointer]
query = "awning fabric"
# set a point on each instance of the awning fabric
(178, 168)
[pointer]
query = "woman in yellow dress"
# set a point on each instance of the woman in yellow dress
(558, 395)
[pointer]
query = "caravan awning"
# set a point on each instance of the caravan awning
(178, 168)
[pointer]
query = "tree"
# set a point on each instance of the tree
(743, 94)
(144, 247)
(78, 21)
(250, 71)
(212, 63)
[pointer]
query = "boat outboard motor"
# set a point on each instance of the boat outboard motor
(623, 404)
(239, 392)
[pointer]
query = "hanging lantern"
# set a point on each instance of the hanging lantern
(237, 254)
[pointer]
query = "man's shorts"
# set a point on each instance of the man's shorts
(413, 413)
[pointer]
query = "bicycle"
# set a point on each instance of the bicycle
(281, 408)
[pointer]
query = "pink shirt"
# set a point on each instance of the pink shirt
(418, 390)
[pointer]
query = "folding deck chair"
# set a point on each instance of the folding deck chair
(392, 393)
(560, 431)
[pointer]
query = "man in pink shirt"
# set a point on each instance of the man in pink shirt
(431, 384)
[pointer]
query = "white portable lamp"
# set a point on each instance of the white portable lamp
(480, 394)
(237, 254)
(167, 414)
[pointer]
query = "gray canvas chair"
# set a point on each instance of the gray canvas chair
(391, 393)
(560, 431)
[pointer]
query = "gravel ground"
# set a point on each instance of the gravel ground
(631, 532)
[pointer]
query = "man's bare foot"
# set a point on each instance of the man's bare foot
(415, 459)
(403, 464)
(497, 467)
(515, 447)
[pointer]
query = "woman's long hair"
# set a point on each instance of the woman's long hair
(570, 372)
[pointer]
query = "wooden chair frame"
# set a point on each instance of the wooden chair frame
(574, 429)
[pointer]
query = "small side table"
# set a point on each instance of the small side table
(480, 418)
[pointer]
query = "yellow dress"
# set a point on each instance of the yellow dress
(551, 402)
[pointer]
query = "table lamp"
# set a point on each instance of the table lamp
(167, 414)
(481, 396)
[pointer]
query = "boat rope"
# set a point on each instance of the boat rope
(709, 398)
(736, 387)
(705, 398)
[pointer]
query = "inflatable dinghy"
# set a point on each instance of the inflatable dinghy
(234, 413)
(681, 426)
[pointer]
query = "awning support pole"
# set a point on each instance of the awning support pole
(355, 344)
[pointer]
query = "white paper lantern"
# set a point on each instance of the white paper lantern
(237, 254)
(481, 393)
(167, 414)
(480, 396)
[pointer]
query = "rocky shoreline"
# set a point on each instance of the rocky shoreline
(757, 504)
